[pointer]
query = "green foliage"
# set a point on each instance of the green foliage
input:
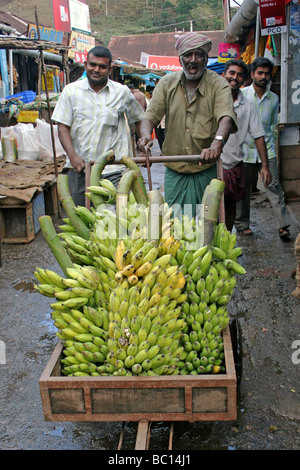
(128, 17)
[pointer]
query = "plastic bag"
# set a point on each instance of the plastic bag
(28, 145)
(43, 132)
(9, 145)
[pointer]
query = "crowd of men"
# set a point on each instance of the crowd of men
(204, 113)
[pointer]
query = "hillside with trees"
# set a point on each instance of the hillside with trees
(128, 17)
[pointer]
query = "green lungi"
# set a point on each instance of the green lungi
(186, 190)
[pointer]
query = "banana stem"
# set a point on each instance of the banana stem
(138, 186)
(211, 207)
(54, 243)
(96, 170)
(99, 165)
(156, 202)
(68, 205)
(124, 187)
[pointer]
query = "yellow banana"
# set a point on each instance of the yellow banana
(133, 279)
(144, 269)
(65, 294)
(126, 257)
(128, 270)
(154, 299)
(55, 278)
(180, 283)
(151, 255)
(121, 248)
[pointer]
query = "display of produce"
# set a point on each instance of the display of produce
(143, 292)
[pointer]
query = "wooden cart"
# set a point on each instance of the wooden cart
(207, 397)
(170, 398)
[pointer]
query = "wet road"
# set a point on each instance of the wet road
(269, 394)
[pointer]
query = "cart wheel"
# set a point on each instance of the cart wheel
(236, 338)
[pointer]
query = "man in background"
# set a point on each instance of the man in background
(232, 155)
(91, 114)
(267, 105)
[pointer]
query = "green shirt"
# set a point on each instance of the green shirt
(190, 127)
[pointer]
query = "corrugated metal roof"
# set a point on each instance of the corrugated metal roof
(13, 21)
(21, 25)
(162, 44)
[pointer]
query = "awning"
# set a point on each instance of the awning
(142, 72)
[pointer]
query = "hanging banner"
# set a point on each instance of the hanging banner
(272, 17)
(228, 51)
(61, 15)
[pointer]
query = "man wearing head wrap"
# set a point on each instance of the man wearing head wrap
(199, 117)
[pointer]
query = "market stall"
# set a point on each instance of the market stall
(17, 225)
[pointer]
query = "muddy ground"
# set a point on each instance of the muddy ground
(268, 412)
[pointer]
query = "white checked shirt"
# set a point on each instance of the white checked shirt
(268, 108)
(98, 121)
(248, 122)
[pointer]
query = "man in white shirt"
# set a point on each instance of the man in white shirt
(232, 155)
(95, 114)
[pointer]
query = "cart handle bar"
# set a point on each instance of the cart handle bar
(162, 159)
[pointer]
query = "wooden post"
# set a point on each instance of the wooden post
(222, 205)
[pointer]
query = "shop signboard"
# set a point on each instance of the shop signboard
(272, 16)
(79, 16)
(228, 51)
(80, 44)
(61, 15)
(46, 34)
(156, 62)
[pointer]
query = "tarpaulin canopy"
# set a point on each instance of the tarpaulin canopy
(142, 72)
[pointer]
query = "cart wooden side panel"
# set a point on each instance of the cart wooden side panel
(207, 397)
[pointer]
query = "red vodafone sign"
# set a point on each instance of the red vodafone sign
(167, 63)
(273, 17)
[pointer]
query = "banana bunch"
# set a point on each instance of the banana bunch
(86, 215)
(106, 190)
(210, 273)
(80, 314)
(187, 229)
(146, 323)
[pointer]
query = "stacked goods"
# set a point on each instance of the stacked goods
(131, 303)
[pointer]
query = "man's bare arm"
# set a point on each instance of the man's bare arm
(212, 154)
(264, 174)
(65, 138)
(144, 132)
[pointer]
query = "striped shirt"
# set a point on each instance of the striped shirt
(98, 121)
(248, 122)
(268, 108)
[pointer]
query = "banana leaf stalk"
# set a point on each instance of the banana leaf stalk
(68, 205)
(96, 171)
(54, 243)
(156, 203)
(210, 208)
(138, 187)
